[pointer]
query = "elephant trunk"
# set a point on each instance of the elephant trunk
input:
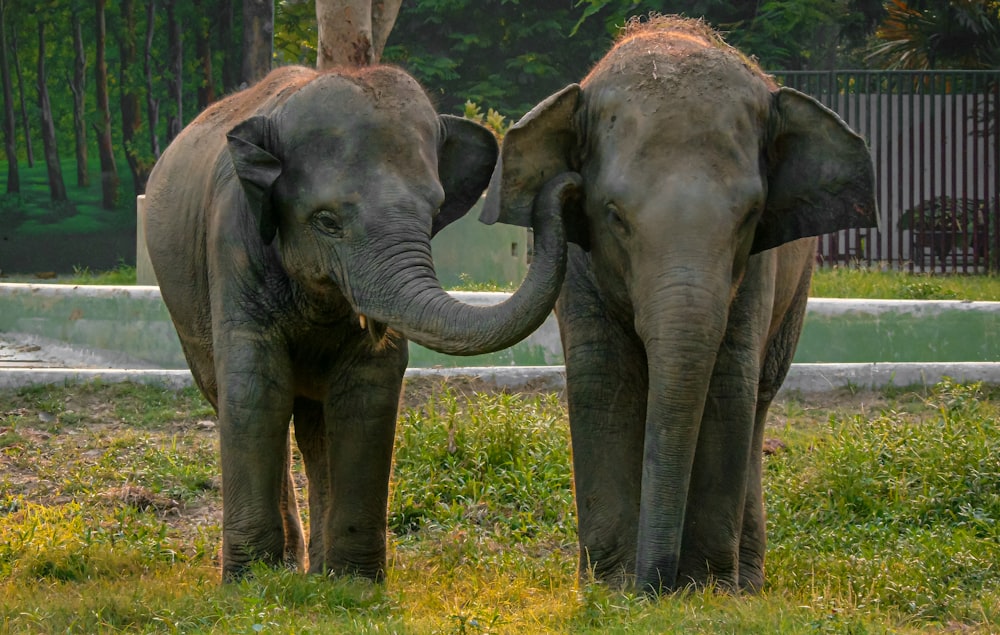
(682, 327)
(414, 303)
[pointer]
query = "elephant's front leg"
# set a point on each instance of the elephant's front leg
(255, 405)
(713, 521)
(360, 419)
(606, 391)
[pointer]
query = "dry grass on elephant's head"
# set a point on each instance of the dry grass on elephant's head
(679, 37)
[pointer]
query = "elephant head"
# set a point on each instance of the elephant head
(693, 161)
(349, 176)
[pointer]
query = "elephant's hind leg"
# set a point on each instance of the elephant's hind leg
(776, 363)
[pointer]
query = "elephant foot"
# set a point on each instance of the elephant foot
(616, 572)
(366, 560)
(239, 553)
(751, 579)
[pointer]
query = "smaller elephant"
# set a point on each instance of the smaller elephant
(704, 185)
(289, 229)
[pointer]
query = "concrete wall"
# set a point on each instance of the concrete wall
(131, 324)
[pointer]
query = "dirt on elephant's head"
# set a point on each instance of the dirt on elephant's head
(675, 37)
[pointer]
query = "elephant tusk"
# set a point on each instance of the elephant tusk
(363, 321)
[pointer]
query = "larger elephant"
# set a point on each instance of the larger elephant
(289, 229)
(704, 185)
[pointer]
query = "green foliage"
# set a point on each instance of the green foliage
(895, 511)
(493, 120)
(938, 34)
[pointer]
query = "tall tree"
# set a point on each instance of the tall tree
(10, 146)
(128, 52)
(105, 151)
(29, 150)
(258, 40)
(152, 103)
(224, 18)
(78, 85)
(57, 187)
(203, 54)
(353, 32)
(175, 70)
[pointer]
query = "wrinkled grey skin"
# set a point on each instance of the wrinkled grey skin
(288, 227)
(681, 311)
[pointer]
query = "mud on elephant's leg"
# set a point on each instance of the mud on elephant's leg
(254, 412)
(360, 422)
(310, 435)
(606, 386)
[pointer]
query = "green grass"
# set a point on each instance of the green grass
(883, 516)
(862, 282)
(123, 274)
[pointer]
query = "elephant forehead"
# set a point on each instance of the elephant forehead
(334, 106)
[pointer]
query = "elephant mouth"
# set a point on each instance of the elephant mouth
(379, 334)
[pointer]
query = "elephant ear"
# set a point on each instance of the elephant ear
(820, 174)
(466, 157)
(537, 148)
(257, 170)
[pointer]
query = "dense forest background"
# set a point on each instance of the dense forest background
(94, 90)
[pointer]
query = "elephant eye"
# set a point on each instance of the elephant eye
(615, 219)
(328, 222)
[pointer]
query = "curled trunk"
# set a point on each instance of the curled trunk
(419, 308)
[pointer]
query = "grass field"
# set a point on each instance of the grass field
(883, 518)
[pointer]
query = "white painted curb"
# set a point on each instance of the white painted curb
(803, 378)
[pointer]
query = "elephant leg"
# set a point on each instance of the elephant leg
(310, 435)
(777, 360)
(255, 406)
(360, 420)
(713, 520)
(606, 392)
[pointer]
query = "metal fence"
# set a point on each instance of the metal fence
(935, 143)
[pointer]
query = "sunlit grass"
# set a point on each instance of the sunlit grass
(864, 282)
(883, 518)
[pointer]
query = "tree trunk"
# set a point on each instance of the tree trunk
(258, 40)
(109, 172)
(345, 33)
(13, 177)
(228, 46)
(175, 73)
(129, 99)
(78, 85)
(25, 124)
(384, 13)
(152, 103)
(57, 188)
(203, 50)
(353, 33)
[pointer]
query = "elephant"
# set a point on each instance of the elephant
(693, 238)
(289, 230)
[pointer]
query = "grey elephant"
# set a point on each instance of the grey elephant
(685, 291)
(289, 229)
